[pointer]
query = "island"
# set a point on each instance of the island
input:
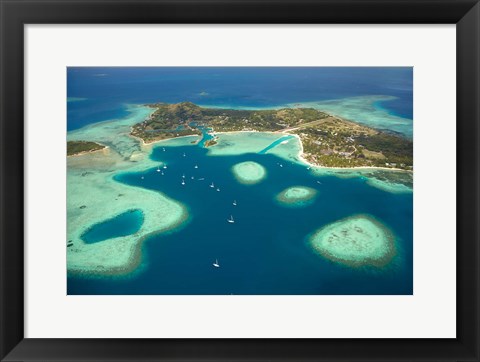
(327, 140)
(81, 147)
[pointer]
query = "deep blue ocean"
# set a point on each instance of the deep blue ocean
(266, 250)
(106, 92)
(124, 224)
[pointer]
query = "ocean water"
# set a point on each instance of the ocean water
(266, 250)
(97, 94)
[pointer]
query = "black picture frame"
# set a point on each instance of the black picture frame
(17, 13)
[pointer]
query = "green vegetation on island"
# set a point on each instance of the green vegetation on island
(334, 142)
(183, 119)
(79, 147)
(327, 140)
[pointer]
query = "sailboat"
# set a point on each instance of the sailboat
(163, 149)
(165, 166)
(216, 265)
(184, 154)
(212, 185)
(158, 169)
(234, 202)
(183, 182)
(231, 221)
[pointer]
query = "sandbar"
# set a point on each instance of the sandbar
(249, 172)
(296, 196)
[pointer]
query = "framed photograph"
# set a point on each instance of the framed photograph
(239, 181)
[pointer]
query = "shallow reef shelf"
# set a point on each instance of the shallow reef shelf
(356, 241)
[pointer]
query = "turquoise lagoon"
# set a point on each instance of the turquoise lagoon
(267, 249)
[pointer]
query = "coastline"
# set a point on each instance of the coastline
(287, 132)
(300, 153)
(300, 156)
(146, 144)
(364, 111)
(89, 152)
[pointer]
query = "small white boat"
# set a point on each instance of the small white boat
(183, 176)
(163, 149)
(216, 265)
(308, 168)
(162, 173)
(143, 177)
(212, 185)
(284, 142)
(318, 182)
(183, 182)
(196, 166)
(165, 166)
(281, 165)
(231, 221)
(201, 179)
(184, 154)
(234, 202)
(218, 189)
(158, 169)
(193, 178)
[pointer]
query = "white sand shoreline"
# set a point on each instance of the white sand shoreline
(89, 152)
(300, 156)
(300, 153)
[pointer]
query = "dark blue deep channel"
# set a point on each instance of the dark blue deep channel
(266, 250)
(124, 224)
